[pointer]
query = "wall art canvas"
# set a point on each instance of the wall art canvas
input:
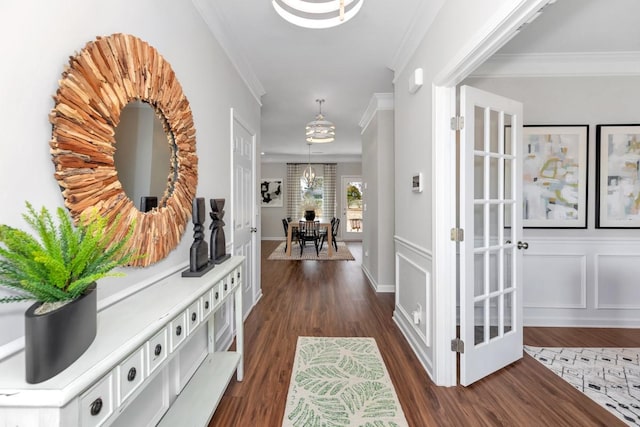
(555, 176)
(618, 164)
(271, 193)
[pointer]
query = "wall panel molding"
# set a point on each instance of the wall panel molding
(548, 274)
(616, 281)
(426, 313)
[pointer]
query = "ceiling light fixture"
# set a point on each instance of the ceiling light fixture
(318, 13)
(309, 174)
(320, 130)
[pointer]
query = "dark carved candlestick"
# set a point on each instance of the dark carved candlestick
(198, 257)
(218, 243)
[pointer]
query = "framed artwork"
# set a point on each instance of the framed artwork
(618, 170)
(271, 193)
(554, 183)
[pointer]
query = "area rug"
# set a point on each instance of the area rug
(342, 254)
(341, 382)
(609, 376)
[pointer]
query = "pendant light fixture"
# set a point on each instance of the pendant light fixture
(317, 13)
(309, 174)
(320, 130)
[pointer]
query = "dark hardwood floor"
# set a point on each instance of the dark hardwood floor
(333, 298)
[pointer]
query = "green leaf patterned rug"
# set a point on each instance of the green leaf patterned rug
(341, 382)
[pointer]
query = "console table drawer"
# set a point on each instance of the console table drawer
(156, 350)
(130, 374)
(177, 331)
(206, 303)
(216, 295)
(193, 316)
(96, 405)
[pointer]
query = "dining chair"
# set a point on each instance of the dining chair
(308, 232)
(335, 223)
(294, 233)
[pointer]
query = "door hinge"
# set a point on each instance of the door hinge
(457, 123)
(457, 234)
(457, 345)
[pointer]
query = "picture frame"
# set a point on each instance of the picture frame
(271, 192)
(554, 176)
(618, 176)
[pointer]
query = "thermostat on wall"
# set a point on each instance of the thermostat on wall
(416, 183)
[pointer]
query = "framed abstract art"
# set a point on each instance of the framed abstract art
(554, 181)
(618, 176)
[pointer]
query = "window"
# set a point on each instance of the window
(313, 196)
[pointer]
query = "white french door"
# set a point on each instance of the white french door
(491, 217)
(244, 209)
(352, 203)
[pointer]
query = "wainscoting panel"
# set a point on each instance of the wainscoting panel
(414, 299)
(617, 281)
(567, 285)
(582, 282)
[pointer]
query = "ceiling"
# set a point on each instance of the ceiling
(346, 65)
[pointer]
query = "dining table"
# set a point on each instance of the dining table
(322, 222)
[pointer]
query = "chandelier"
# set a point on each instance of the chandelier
(318, 13)
(320, 130)
(309, 174)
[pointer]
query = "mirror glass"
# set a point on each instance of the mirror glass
(144, 156)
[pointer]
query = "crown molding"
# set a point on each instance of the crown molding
(218, 26)
(422, 20)
(378, 102)
(572, 64)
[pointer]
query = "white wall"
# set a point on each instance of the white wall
(378, 197)
(271, 218)
(578, 276)
(38, 38)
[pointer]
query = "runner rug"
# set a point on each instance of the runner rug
(609, 376)
(342, 254)
(341, 382)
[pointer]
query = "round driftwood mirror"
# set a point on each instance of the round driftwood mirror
(108, 74)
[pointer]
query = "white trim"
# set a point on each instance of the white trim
(412, 246)
(378, 288)
(598, 285)
(404, 326)
(427, 303)
(444, 269)
(561, 64)
(590, 322)
(378, 102)
(218, 26)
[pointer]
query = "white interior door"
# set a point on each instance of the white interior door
(491, 217)
(244, 208)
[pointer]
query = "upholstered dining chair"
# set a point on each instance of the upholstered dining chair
(308, 232)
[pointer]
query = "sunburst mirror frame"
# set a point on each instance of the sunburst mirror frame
(97, 84)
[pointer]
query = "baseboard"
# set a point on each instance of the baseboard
(282, 239)
(568, 322)
(377, 287)
(404, 324)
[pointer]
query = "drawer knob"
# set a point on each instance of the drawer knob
(157, 350)
(217, 295)
(225, 285)
(193, 317)
(96, 407)
(232, 282)
(238, 274)
(131, 375)
(206, 305)
(178, 330)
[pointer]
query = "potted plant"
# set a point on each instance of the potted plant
(58, 268)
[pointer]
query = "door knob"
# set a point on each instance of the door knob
(523, 245)
(254, 229)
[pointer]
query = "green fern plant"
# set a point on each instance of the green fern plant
(61, 260)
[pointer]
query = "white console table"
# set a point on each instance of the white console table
(152, 362)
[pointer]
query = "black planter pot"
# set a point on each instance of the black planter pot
(309, 215)
(54, 340)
